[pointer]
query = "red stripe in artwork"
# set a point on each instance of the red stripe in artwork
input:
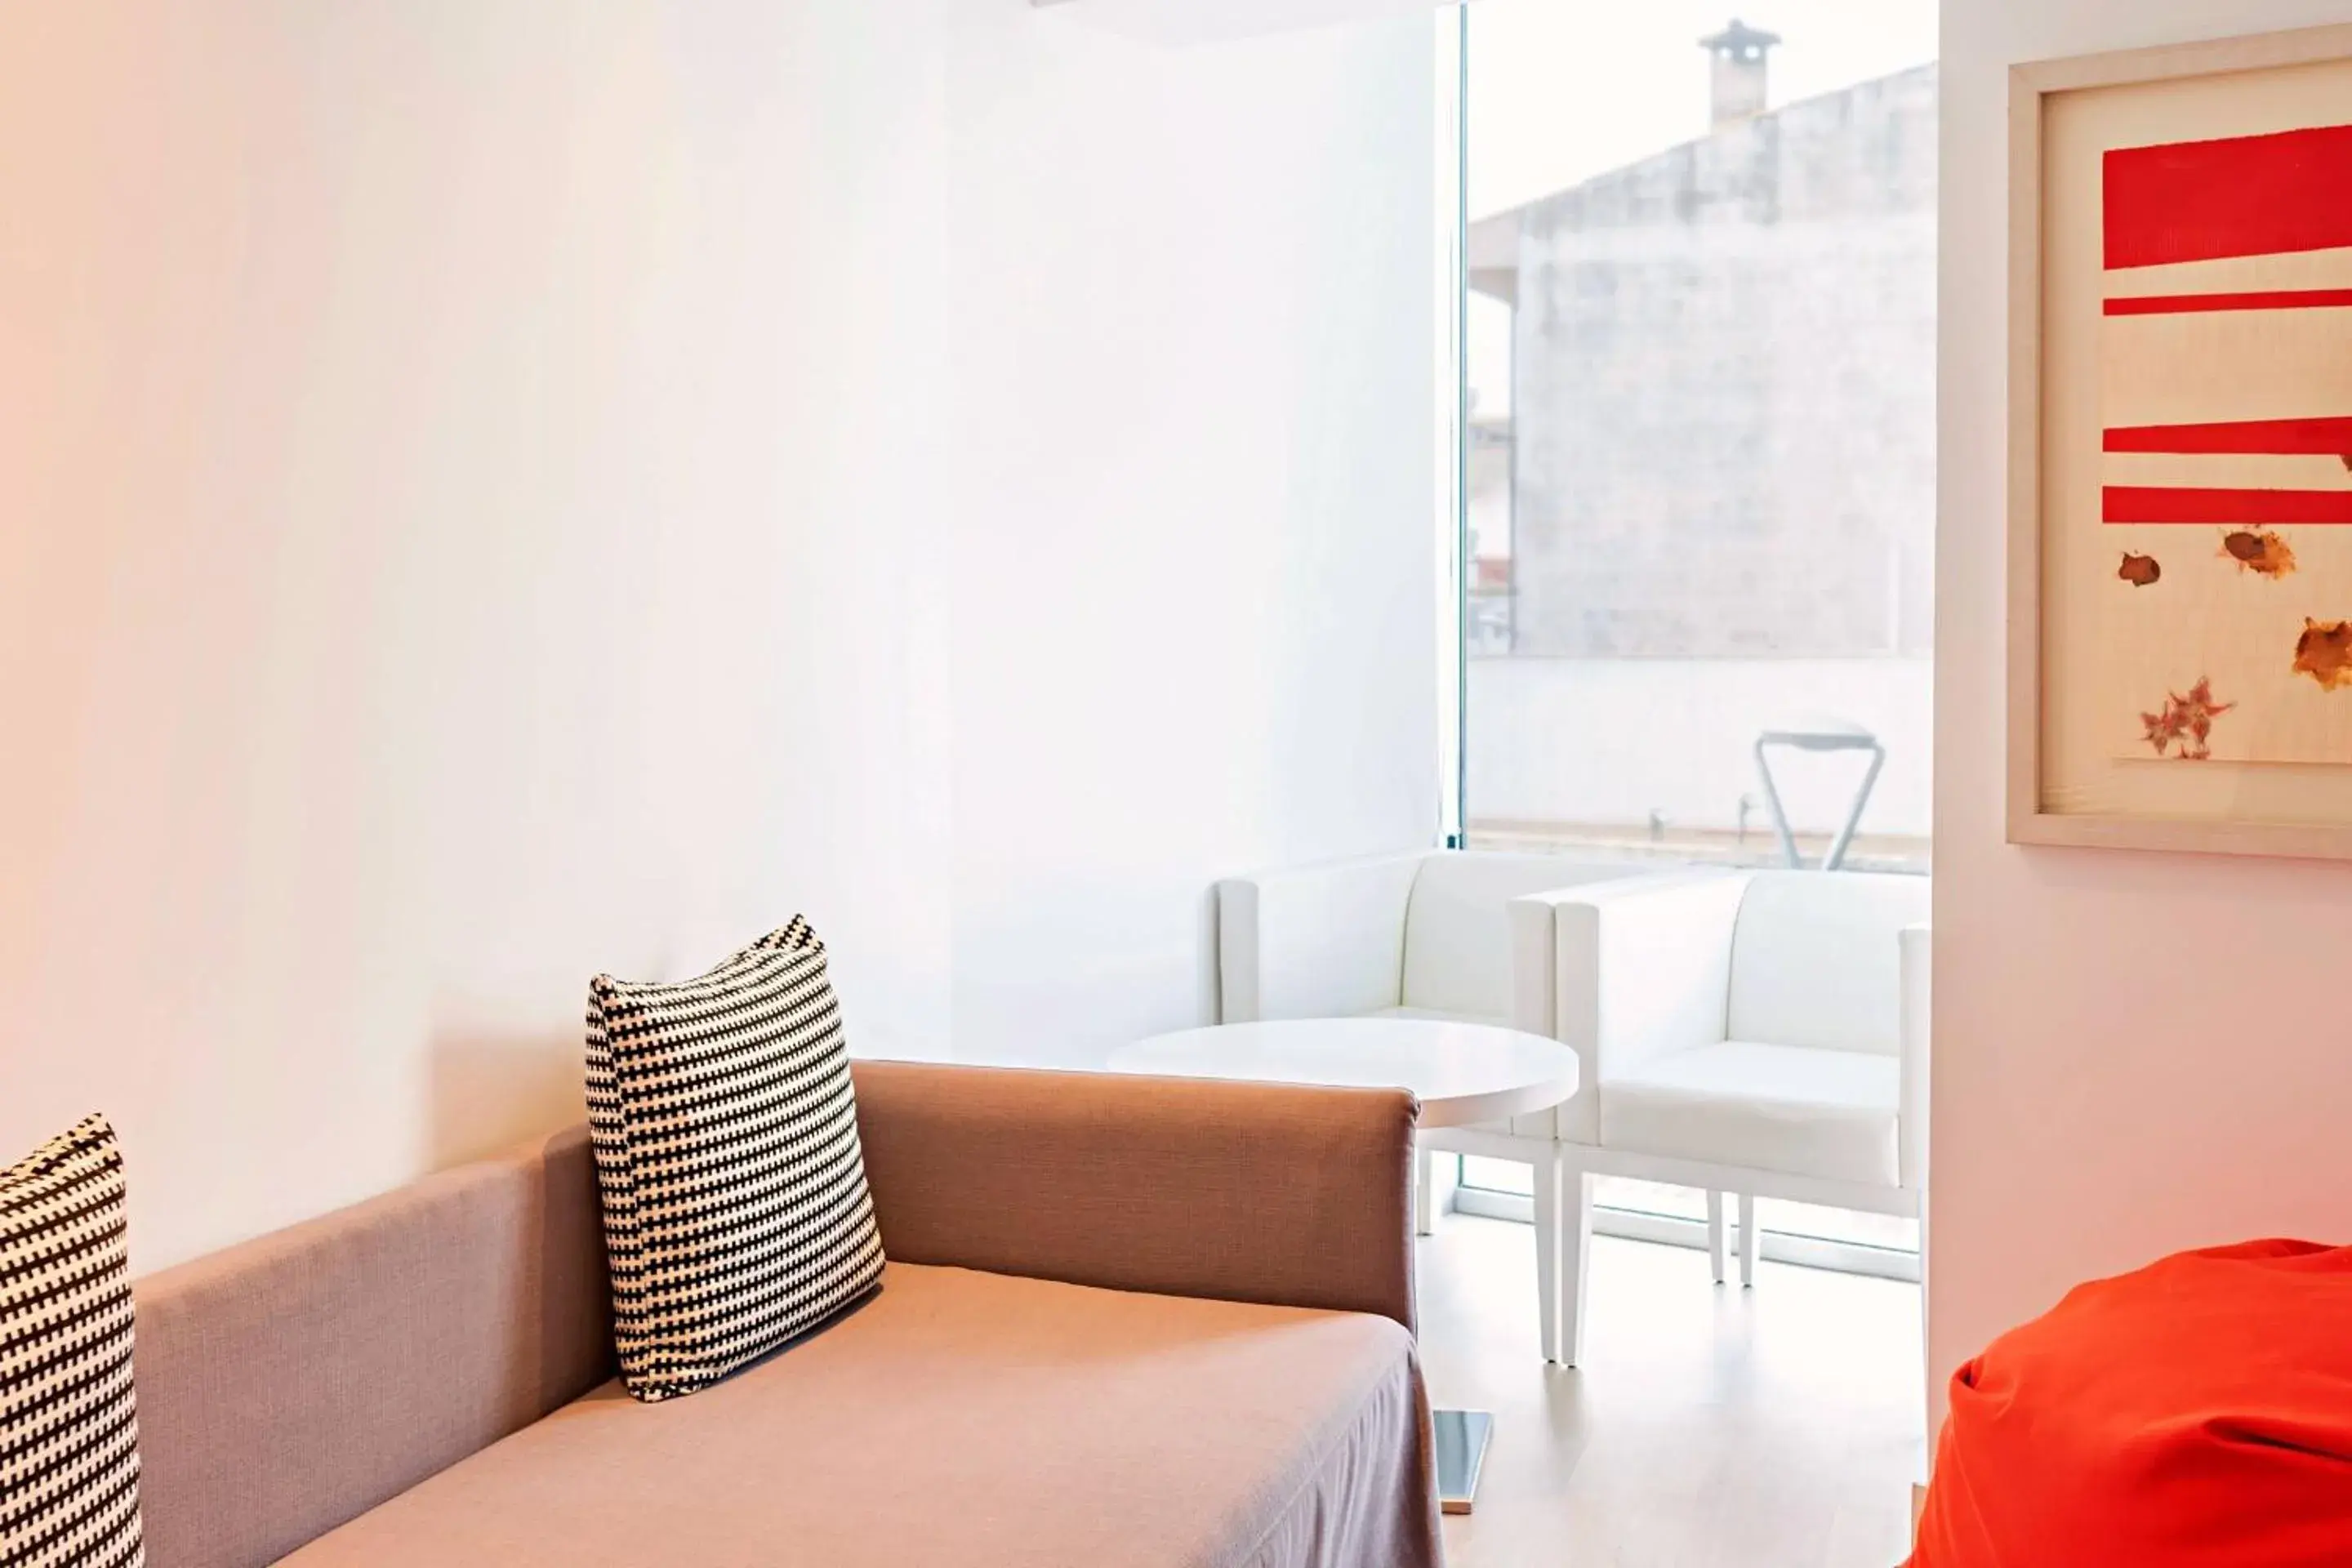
(2240, 195)
(2326, 438)
(2273, 300)
(2166, 503)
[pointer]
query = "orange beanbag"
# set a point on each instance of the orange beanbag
(2197, 1411)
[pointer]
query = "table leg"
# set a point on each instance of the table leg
(1461, 1439)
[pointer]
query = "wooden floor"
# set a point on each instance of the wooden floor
(1709, 1428)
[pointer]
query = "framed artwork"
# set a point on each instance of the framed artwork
(2180, 447)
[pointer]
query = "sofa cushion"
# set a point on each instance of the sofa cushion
(1458, 933)
(69, 1429)
(736, 1208)
(967, 1420)
(1829, 1114)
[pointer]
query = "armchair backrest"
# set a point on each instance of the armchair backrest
(1314, 941)
(1457, 930)
(1816, 959)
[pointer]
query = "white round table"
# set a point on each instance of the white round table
(1463, 1074)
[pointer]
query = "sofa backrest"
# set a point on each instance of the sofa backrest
(1816, 959)
(1457, 932)
(294, 1382)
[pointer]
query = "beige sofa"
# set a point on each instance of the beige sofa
(1125, 1321)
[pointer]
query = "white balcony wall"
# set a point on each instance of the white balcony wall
(1606, 742)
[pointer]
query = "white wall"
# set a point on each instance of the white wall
(1195, 564)
(486, 501)
(2134, 1053)
(1610, 740)
(428, 576)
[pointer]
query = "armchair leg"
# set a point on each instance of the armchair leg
(1751, 1238)
(1425, 1205)
(1717, 1252)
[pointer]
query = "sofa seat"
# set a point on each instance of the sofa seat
(1792, 1109)
(965, 1417)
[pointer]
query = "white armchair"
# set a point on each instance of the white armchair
(1432, 934)
(1760, 1033)
(1437, 934)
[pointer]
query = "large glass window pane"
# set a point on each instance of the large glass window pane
(1626, 1195)
(1700, 344)
(1498, 1175)
(1650, 1197)
(1888, 1231)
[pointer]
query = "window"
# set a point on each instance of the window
(1699, 464)
(1700, 438)
(1654, 1211)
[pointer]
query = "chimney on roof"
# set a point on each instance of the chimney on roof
(1738, 64)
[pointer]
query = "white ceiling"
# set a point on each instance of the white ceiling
(1207, 21)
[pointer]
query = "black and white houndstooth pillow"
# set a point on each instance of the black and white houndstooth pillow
(69, 1426)
(736, 1212)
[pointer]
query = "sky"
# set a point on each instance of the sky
(1563, 90)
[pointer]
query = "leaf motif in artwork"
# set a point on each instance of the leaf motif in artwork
(2324, 652)
(2264, 552)
(2185, 722)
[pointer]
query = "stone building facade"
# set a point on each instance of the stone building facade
(1723, 397)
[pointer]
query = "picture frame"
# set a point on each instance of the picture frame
(2089, 657)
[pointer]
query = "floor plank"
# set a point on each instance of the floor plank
(1709, 1428)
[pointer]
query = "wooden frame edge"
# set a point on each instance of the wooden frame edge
(2195, 56)
(2030, 83)
(2024, 477)
(2285, 840)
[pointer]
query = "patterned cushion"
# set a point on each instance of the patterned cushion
(736, 1212)
(69, 1430)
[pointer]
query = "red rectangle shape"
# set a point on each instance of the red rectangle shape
(2270, 437)
(2273, 300)
(2240, 195)
(2169, 503)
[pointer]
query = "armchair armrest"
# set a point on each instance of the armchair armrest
(1312, 942)
(1288, 1195)
(1535, 939)
(1641, 968)
(1911, 1121)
